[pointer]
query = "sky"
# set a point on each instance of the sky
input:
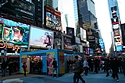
(104, 22)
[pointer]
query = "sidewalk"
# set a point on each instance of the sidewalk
(67, 78)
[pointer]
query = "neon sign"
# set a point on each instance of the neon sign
(4, 44)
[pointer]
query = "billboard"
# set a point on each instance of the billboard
(117, 40)
(14, 32)
(67, 43)
(116, 26)
(52, 19)
(41, 38)
(116, 32)
(83, 34)
(17, 8)
(70, 31)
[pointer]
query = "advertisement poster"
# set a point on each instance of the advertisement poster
(70, 31)
(67, 43)
(24, 59)
(53, 19)
(50, 56)
(14, 32)
(61, 63)
(43, 38)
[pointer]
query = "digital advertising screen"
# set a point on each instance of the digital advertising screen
(18, 8)
(67, 43)
(53, 19)
(83, 34)
(41, 38)
(15, 33)
(87, 51)
(70, 31)
(116, 26)
(118, 41)
(116, 32)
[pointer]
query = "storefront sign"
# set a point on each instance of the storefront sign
(4, 44)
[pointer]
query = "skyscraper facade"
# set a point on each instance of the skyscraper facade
(115, 20)
(88, 21)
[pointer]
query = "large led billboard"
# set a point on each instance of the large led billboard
(52, 19)
(41, 38)
(17, 8)
(70, 31)
(67, 43)
(83, 34)
(116, 32)
(14, 32)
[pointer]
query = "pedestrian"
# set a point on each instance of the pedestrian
(24, 68)
(77, 71)
(115, 66)
(3, 67)
(54, 67)
(123, 65)
(86, 66)
(106, 66)
(10, 67)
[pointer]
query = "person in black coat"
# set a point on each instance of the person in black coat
(3, 67)
(115, 66)
(106, 66)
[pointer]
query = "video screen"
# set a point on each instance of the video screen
(41, 38)
(15, 33)
(53, 19)
(116, 32)
(67, 43)
(70, 31)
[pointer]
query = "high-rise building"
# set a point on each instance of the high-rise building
(116, 28)
(88, 21)
(38, 12)
(48, 3)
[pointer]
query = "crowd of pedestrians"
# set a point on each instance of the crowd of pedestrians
(9, 66)
(113, 65)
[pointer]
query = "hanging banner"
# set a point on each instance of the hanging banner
(50, 56)
(61, 63)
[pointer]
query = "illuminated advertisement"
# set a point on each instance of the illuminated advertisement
(50, 56)
(41, 38)
(70, 31)
(87, 51)
(57, 40)
(116, 26)
(119, 48)
(116, 32)
(61, 63)
(53, 19)
(114, 19)
(67, 43)
(83, 34)
(117, 40)
(15, 33)
(18, 8)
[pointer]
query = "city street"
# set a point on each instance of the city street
(67, 78)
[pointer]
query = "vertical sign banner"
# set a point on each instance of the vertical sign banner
(61, 63)
(24, 59)
(50, 56)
